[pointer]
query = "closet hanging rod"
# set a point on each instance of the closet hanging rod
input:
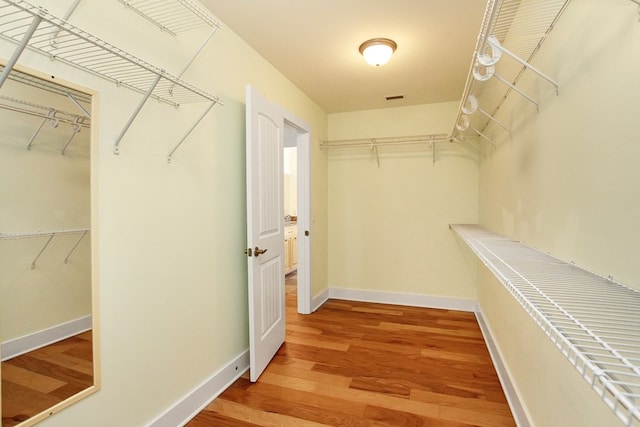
(386, 141)
(61, 116)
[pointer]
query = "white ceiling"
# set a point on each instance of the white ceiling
(314, 43)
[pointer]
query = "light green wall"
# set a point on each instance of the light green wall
(170, 237)
(42, 191)
(567, 183)
(388, 226)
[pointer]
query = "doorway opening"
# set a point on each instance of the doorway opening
(296, 171)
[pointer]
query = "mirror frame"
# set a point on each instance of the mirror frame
(93, 187)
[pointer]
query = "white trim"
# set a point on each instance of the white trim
(303, 185)
(36, 340)
(413, 300)
(197, 399)
(319, 299)
(515, 403)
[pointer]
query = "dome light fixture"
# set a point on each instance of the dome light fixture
(378, 52)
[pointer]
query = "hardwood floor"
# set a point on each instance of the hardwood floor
(362, 364)
(37, 380)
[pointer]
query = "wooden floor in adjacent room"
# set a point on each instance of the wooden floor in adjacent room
(37, 380)
(362, 364)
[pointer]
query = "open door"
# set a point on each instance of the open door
(265, 230)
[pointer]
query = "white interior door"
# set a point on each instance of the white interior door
(265, 230)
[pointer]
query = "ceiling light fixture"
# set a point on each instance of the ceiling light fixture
(378, 52)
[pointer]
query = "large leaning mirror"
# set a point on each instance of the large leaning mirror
(47, 291)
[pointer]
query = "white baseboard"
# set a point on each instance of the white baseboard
(196, 400)
(517, 409)
(413, 300)
(36, 340)
(319, 299)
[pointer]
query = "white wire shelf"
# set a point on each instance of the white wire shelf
(517, 29)
(33, 27)
(594, 321)
(173, 16)
(50, 234)
(64, 42)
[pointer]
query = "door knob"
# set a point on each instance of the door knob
(257, 251)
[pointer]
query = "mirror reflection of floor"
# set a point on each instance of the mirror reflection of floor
(291, 283)
(35, 381)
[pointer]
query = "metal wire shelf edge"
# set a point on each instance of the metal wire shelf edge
(198, 12)
(90, 38)
(23, 235)
(599, 381)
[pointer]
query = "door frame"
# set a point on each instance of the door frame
(303, 142)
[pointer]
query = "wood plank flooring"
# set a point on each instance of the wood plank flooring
(361, 364)
(37, 380)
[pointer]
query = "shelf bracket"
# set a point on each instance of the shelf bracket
(66, 260)
(33, 264)
(195, 55)
(190, 130)
(512, 86)
(20, 48)
(77, 104)
(493, 41)
(493, 119)
(51, 118)
(374, 147)
(433, 148)
(116, 146)
(483, 136)
(76, 126)
(53, 41)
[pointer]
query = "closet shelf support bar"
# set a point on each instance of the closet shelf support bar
(20, 48)
(51, 117)
(195, 55)
(66, 259)
(529, 66)
(190, 130)
(512, 86)
(76, 126)
(493, 119)
(483, 136)
(54, 38)
(33, 264)
(116, 148)
(77, 104)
